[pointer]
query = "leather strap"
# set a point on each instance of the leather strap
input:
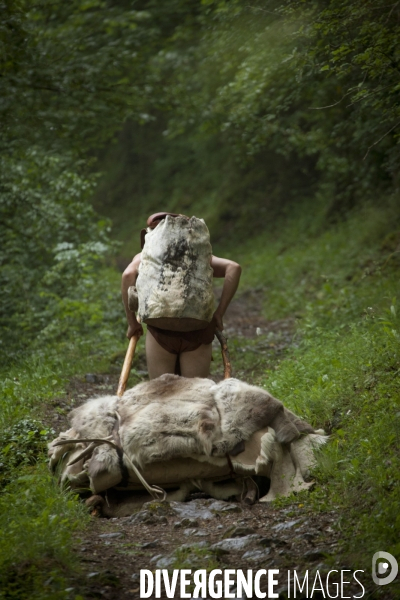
(232, 470)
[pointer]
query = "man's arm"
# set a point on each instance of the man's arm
(231, 272)
(129, 277)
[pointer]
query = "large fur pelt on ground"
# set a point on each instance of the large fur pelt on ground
(167, 419)
(174, 416)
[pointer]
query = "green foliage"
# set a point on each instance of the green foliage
(226, 96)
(307, 266)
(52, 248)
(354, 46)
(348, 382)
(24, 443)
(70, 74)
(253, 108)
(37, 520)
(69, 65)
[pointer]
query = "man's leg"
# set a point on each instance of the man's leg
(159, 361)
(197, 362)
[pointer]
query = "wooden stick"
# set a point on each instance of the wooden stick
(126, 369)
(225, 354)
(251, 491)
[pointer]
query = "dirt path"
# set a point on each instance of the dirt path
(213, 534)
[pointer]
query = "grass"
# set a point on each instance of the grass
(343, 373)
(37, 523)
(37, 517)
(331, 271)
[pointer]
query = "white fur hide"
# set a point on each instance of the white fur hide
(175, 274)
(179, 430)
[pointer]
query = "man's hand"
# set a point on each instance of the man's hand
(135, 329)
(218, 321)
(231, 271)
(129, 277)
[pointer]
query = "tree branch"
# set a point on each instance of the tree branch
(380, 139)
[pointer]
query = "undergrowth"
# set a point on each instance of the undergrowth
(38, 519)
(343, 373)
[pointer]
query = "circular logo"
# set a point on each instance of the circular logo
(384, 568)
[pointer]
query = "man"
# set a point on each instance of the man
(192, 349)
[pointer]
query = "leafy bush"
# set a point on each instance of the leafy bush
(24, 443)
(37, 520)
(52, 251)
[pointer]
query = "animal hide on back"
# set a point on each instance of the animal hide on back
(174, 284)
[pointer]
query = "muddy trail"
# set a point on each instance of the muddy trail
(204, 533)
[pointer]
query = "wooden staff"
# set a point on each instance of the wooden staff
(126, 369)
(225, 354)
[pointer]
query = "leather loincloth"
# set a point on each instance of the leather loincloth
(177, 342)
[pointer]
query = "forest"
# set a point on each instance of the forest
(278, 123)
